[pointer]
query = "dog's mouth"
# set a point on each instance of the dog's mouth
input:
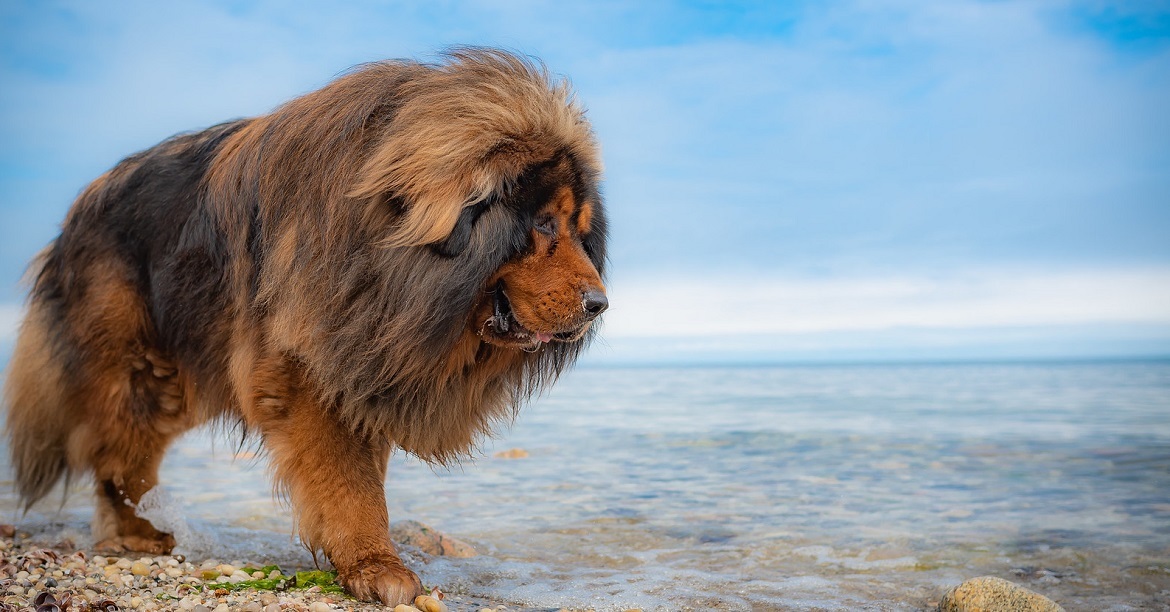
(502, 327)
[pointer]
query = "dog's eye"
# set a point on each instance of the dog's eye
(546, 224)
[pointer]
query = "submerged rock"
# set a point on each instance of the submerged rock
(428, 540)
(513, 453)
(990, 594)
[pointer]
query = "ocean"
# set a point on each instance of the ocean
(826, 487)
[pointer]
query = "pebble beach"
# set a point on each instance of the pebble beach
(58, 578)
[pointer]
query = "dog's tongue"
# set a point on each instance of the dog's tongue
(543, 337)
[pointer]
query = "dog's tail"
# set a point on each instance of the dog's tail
(39, 423)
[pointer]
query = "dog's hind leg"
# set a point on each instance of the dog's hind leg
(86, 393)
(123, 443)
(125, 400)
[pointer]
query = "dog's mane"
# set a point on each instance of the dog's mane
(343, 193)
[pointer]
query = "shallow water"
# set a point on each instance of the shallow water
(760, 488)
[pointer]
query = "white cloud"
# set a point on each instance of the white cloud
(744, 305)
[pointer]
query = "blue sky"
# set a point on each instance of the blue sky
(787, 181)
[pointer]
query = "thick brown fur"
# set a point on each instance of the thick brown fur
(399, 259)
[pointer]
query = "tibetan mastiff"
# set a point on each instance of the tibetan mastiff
(397, 260)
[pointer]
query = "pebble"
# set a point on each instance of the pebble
(140, 569)
(426, 603)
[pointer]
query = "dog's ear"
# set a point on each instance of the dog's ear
(460, 235)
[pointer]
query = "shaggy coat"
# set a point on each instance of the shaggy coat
(399, 259)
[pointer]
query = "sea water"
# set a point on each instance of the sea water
(756, 488)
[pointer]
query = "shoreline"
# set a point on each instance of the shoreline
(81, 580)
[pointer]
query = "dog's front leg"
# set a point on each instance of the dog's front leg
(335, 481)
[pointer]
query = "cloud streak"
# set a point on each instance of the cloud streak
(985, 299)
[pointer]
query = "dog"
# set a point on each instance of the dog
(397, 260)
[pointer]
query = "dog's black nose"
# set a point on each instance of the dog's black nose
(595, 302)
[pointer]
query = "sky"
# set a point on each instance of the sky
(786, 181)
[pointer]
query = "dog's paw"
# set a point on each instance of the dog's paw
(161, 545)
(381, 578)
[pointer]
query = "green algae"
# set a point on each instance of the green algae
(317, 578)
(326, 581)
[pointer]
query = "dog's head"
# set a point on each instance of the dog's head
(551, 289)
(489, 159)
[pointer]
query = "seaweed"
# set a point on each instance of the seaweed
(326, 581)
(317, 578)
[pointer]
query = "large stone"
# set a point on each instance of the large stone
(428, 540)
(990, 594)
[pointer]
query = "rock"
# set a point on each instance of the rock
(405, 608)
(990, 594)
(426, 539)
(426, 603)
(140, 569)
